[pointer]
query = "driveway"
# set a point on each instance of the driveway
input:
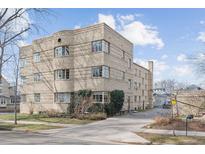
(116, 130)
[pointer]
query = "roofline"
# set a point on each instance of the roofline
(83, 28)
(141, 66)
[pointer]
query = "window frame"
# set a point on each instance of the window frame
(35, 97)
(64, 48)
(101, 47)
(102, 71)
(23, 63)
(58, 97)
(35, 59)
(35, 77)
(65, 73)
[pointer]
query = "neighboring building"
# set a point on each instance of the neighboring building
(7, 96)
(96, 58)
(189, 102)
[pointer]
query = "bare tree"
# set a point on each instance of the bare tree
(14, 26)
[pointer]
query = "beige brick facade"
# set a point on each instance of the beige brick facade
(82, 62)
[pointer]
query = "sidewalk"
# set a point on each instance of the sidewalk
(38, 123)
(170, 132)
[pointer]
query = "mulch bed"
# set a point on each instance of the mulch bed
(179, 124)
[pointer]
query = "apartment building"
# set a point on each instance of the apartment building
(7, 92)
(95, 57)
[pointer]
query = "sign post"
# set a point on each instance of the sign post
(174, 102)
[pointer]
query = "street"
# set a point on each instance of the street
(115, 130)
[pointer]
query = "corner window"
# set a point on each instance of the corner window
(100, 46)
(62, 97)
(97, 71)
(62, 74)
(101, 71)
(61, 51)
(36, 57)
(22, 63)
(37, 97)
(37, 77)
(106, 71)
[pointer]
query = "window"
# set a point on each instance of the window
(22, 63)
(61, 51)
(62, 97)
(100, 97)
(129, 63)
(97, 71)
(135, 98)
(145, 75)
(101, 71)
(142, 92)
(100, 46)
(36, 57)
(37, 97)
(139, 85)
(23, 98)
(145, 86)
(106, 71)
(37, 77)
(139, 73)
(130, 83)
(135, 72)
(23, 80)
(62, 74)
(106, 97)
(123, 54)
(123, 75)
(139, 98)
(135, 84)
(0, 91)
(143, 81)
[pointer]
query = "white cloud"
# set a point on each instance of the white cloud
(138, 33)
(202, 22)
(123, 19)
(108, 19)
(159, 66)
(77, 26)
(181, 57)
(164, 57)
(183, 70)
(201, 37)
(142, 35)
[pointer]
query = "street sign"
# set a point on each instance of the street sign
(174, 102)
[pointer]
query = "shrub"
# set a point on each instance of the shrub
(91, 116)
(116, 102)
(95, 108)
(162, 121)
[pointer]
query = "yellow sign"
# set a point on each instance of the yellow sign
(174, 102)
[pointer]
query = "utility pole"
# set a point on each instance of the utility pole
(16, 88)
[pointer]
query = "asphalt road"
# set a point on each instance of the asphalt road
(116, 130)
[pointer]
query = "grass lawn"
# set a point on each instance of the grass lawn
(26, 127)
(43, 118)
(168, 139)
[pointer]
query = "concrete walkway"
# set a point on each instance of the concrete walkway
(37, 123)
(170, 132)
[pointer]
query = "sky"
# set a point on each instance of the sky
(169, 37)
